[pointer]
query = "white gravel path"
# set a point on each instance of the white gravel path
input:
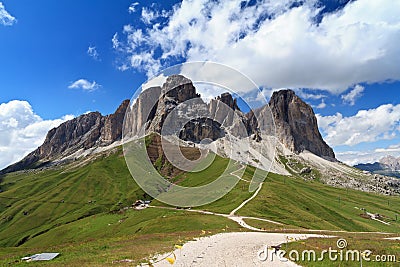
(393, 238)
(231, 249)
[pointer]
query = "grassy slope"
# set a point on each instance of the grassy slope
(95, 233)
(360, 242)
(77, 211)
(313, 205)
(55, 197)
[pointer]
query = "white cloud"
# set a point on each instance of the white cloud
(381, 123)
(321, 105)
(276, 45)
(148, 15)
(355, 93)
(146, 62)
(132, 7)
(313, 96)
(84, 84)
(115, 41)
(389, 149)
(6, 18)
(21, 130)
(156, 81)
(209, 91)
(92, 52)
(368, 156)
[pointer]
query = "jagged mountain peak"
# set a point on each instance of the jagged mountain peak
(295, 121)
(391, 162)
(296, 124)
(175, 80)
(228, 100)
(179, 88)
(84, 132)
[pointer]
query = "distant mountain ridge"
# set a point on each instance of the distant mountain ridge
(387, 165)
(296, 125)
(391, 162)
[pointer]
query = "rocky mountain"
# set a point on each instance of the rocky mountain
(370, 167)
(295, 121)
(390, 162)
(387, 165)
(84, 132)
(296, 124)
(177, 109)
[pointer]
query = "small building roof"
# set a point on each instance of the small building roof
(41, 257)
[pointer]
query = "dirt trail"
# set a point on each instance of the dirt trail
(236, 249)
(232, 249)
(246, 201)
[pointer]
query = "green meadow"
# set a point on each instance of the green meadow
(82, 212)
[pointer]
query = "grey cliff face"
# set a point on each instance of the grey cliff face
(390, 162)
(228, 100)
(84, 132)
(295, 121)
(173, 109)
(177, 105)
(176, 90)
(201, 129)
(112, 129)
(296, 124)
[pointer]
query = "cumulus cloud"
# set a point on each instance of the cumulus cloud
(92, 52)
(21, 130)
(355, 93)
(84, 84)
(148, 15)
(276, 44)
(6, 18)
(381, 123)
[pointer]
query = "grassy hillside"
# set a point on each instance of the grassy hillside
(34, 202)
(313, 205)
(78, 211)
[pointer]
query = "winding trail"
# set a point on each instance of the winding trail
(240, 219)
(246, 201)
(240, 248)
(231, 215)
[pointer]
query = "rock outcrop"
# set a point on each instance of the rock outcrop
(191, 121)
(296, 125)
(178, 106)
(84, 132)
(112, 129)
(142, 112)
(295, 121)
(201, 129)
(390, 162)
(176, 90)
(228, 100)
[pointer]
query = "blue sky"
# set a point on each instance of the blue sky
(60, 59)
(46, 50)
